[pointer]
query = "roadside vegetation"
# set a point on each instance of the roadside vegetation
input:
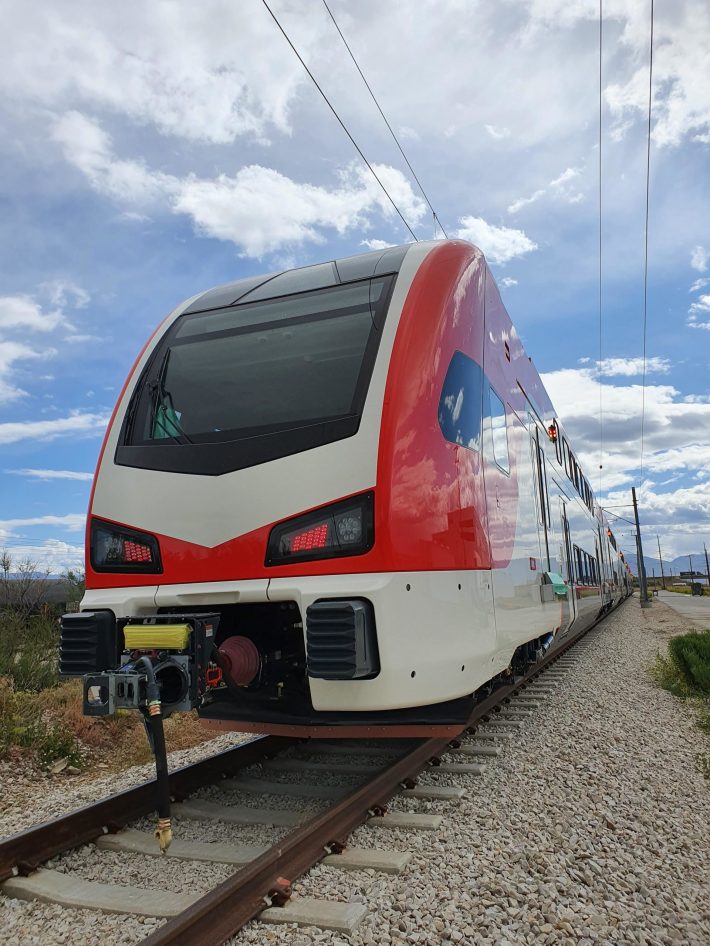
(685, 672)
(41, 713)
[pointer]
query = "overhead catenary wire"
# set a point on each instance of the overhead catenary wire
(340, 120)
(599, 369)
(645, 262)
(437, 222)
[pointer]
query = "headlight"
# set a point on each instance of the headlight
(115, 548)
(345, 528)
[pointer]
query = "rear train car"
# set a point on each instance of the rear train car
(351, 479)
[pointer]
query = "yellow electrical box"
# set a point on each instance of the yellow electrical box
(156, 636)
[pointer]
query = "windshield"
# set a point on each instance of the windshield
(260, 370)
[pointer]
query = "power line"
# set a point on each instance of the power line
(340, 120)
(601, 410)
(645, 262)
(437, 222)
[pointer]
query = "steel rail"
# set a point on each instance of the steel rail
(222, 912)
(24, 852)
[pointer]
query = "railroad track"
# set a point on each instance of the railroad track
(261, 884)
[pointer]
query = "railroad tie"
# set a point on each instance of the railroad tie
(199, 810)
(435, 792)
(475, 748)
(326, 914)
(69, 890)
(131, 841)
(405, 819)
(292, 789)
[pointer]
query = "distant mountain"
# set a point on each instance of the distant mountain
(671, 568)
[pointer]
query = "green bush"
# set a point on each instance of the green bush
(691, 655)
(29, 648)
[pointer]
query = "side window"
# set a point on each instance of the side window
(498, 430)
(460, 402)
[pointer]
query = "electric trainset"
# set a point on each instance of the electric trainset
(334, 500)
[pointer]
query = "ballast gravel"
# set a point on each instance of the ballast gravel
(591, 827)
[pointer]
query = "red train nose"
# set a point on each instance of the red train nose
(240, 660)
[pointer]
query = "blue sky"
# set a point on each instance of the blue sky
(152, 151)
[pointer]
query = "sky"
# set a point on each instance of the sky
(152, 151)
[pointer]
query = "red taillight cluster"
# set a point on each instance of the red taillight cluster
(118, 549)
(315, 538)
(136, 552)
(345, 528)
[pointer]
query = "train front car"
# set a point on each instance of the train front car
(313, 489)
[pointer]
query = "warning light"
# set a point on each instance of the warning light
(552, 432)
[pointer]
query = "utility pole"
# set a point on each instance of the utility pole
(645, 603)
(690, 562)
(663, 577)
(707, 567)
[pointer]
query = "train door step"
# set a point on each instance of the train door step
(304, 765)
(68, 890)
(475, 748)
(435, 792)
(198, 810)
(309, 911)
(143, 842)
(357, 858)
(405, 819)
(291, 789)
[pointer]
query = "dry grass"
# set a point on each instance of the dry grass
(50, 725)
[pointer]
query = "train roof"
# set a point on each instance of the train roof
(304, 279)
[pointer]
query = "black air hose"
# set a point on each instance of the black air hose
(153, 719)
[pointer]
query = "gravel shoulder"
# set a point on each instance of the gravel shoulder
(593, 826)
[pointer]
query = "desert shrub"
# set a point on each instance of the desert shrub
(691, 655)
(29, 648)
(26, 721)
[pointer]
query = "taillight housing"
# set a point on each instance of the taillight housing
(115, 548)
(345, 528)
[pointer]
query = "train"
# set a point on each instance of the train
(337, 500)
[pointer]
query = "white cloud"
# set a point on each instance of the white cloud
(630, 367)
(376, 244)
(209, 74)
(10, 354)
(87, 146)
(65, 294)
(258, 209)
(53, 474)
(673, 425)
(499, 244)
(699, 284)
(698, 309)
(45, 430)
(681, 105)
(524, 201)
(508, 281)
(699, 259)
(23, 312)
(497, 133)
(72, 522)
(52, 554)
(559, 187)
